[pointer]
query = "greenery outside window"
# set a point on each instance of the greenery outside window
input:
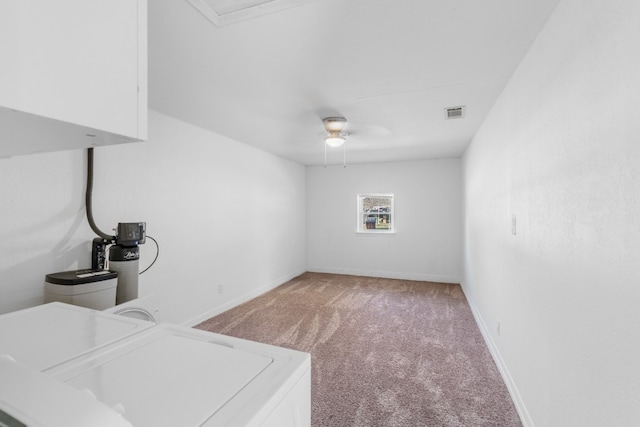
(375, 213)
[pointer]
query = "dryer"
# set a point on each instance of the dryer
(45, 336)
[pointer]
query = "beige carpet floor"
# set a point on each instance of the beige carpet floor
(383, 352)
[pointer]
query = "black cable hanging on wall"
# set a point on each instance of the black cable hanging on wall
(89, 198)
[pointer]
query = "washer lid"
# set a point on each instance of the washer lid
(45, 336)
(166, 377)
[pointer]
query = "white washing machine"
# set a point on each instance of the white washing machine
(177, 376)
(170, 375)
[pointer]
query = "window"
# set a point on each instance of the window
(375, 213)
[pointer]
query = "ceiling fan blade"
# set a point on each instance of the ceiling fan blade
(367, 129)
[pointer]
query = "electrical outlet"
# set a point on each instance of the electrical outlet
(498, 327)
(220, 289)
(513, 225)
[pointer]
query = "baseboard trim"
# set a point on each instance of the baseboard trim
(387, 274)
(241, 299)
(525, 418)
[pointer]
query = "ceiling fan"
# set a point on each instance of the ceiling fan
(335, 134)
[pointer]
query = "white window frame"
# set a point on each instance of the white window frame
(360, 220)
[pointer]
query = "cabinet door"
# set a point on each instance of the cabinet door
(76, 61)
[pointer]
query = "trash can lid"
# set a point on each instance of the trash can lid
(79, 277)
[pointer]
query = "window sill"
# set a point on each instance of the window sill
(375, 232)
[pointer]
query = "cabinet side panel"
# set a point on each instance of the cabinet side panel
(73, 60)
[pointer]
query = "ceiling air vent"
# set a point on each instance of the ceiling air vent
(454, 112)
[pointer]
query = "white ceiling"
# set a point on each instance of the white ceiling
(391, 67)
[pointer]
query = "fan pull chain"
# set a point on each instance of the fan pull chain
(344, 155)
(325, 155)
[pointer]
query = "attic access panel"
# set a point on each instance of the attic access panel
(225, 12)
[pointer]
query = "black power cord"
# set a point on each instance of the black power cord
(157, 253)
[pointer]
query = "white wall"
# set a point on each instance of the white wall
(427, 197)
(223, 212)
(561, 151)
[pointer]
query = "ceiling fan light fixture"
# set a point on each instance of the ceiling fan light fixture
(334, 124)
(335, 137)
(334, 141)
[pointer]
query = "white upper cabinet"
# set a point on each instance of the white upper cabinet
(73, 74)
